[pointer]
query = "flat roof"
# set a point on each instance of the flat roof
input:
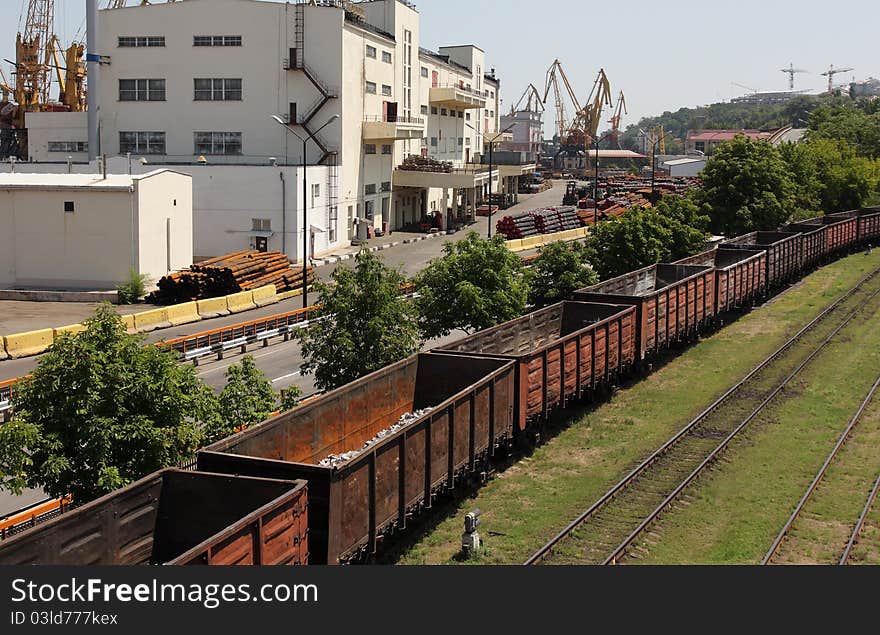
(34, 181)
(685, 161)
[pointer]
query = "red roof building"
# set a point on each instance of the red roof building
(705, 140)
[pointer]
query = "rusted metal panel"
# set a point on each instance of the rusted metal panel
(671, 300)
(814, 241)
(869, 225)
(373, 493)
(784, 253)
(175, 517)
(560, 352)
(738, 278)
(843, 230)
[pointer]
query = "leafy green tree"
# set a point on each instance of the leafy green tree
(366, 324)
(858, 126)
(747, 187)
(475, 285)
(561, 270)
(133, 288)
(290, 398)
(100, 411)
(246, 400)
(640, 238)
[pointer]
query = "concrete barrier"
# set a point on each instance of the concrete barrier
(151, 320)
(185, 313)
(286, 295)
(265, 296)
(238, 302)
(3, 353)
(30, 343)
(128, 320)
(212, 307)
(73, 329)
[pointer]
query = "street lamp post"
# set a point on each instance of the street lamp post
(597, 141)
(306, 232)
(492, 143)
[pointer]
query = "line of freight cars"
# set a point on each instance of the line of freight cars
(269, 494)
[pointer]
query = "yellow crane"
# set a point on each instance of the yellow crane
(586, 124)
(72, 82)
(33, 59)
(551, 82)
(532, 99)
(619, 111)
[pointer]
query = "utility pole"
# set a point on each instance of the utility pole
(92, 70)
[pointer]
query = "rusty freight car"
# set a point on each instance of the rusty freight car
(814, 240)
(783, 253)
(841, 232)
(869, 225)
(740, 275)
(379, 449)
(672, 302)
(561, 352)
(179, 518)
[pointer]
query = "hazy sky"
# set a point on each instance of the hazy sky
(664, 54)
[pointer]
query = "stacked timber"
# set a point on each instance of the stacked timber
(240, 271)
(518, 226)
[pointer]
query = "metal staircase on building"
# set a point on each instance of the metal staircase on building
(297, 62)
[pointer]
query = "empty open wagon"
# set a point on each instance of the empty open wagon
(740, 275)
(367, 492)
(176, 517)
(672, 302)
(814, 241)
(869, 225)
(783, 253)
(561, 352)
(842, 231)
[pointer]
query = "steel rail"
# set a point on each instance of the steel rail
(819, 475)
(541, 553)
(621, 549)
(860, 523)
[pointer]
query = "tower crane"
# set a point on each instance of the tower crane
(830, 73)
(619, 111)
(791, 71)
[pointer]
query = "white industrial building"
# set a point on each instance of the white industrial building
(195, 84)
(86, 231)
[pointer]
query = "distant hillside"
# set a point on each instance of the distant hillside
(727, 116)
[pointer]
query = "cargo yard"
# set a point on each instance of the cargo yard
(378, 300)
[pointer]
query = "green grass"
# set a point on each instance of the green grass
(733, 514)
(531, 501)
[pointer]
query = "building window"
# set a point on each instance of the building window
(371, 51)
(68, 207)
(316, 192)
(386, 186)
(217, 40)
(217, 143)
(467, 116)
(142, 142)
(386, 57)
(433, 110)
(369, 148)
(492, 114)
(467, 141)
(141, 90)
(261, 224)
(332, 222)
(386, 148)
(460, 114)
(425, 72)
(433, 142)
(141, 41)
(386, 90)
(369, 206)
(424, 110)
(217, 89)
(460, 141)
(700, 146)
(443, 112)
(371, 88)
(68, 146)
(370, 189)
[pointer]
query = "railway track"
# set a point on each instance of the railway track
(860, 524)
(814, 484)
(603, 533)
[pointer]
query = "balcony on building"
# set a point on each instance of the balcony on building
(511, 164)
(390, 127)
(439, 174)
(457, 96)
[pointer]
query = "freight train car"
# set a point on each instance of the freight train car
(673, 302)
(842, 232)
(561, 352)
(379, 449)
(813, 243)
(176, 517)
(869, 225)
(783, 254)
(740, 276)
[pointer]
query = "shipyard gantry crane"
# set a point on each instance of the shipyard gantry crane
(33, 58)
(532, 99)
(619, 111)
(554, 73)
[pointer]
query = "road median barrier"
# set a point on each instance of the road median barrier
(128, 320)
(151, 320)
(72, 329)
(212, 307)
(185, 313)
(541, 240)
(29, 343)
(3, 353)
(238, 302)
(265, 296)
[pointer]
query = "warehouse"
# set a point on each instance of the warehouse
(85, 231)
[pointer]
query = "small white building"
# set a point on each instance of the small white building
(85, 231)
(686, 166)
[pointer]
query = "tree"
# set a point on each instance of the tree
(746, 187)
(858, 126)
(475, 285)
(561, 270)
(101, 411)
(290, 398)
(644, 237)
(364, 324)
(246, 400)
